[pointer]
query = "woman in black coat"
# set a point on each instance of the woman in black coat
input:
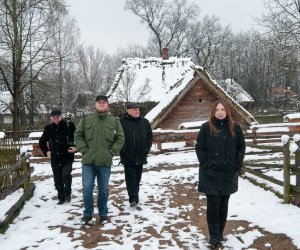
(220, 149)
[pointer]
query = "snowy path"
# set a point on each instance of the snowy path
(171, 214)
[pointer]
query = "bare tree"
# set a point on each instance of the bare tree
(283, 19)
(91, 69)
(128, 91)
(166, 20)
(24, 32)
(58, 75)
(205, 38)
(132, 50)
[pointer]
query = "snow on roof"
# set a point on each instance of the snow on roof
(235, 90)
(232, 98)
(180, 85)
(5, 101)
(166, 79)
(157, 73)
(288, 117)
(187, 125)
(168, 97)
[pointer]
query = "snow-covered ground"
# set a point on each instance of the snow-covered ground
(42, 224)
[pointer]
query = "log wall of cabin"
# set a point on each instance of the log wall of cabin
(195, 106)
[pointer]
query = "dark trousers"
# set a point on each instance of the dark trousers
(133, 175)
(62, 179)
(217, 209)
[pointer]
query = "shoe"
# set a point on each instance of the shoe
(133, 204)
(221, 238)
(68, 199)
(214, 237)
(103, 219)
(214, 244)
(61, 201)
(86, 219)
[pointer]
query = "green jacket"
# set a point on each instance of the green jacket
(98, 138)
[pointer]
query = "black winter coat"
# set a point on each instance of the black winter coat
(59, 138)
(220, 157)
(138, 140)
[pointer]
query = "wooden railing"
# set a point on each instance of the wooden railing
(23, 135)
(13, 178)
(166, 136)
(291, 193)
(267, 137)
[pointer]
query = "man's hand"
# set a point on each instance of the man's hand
(72, 150)
(49, 154)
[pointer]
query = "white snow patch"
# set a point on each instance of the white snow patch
(9, 201)
(296, 137)
(35, 135)
(285, 139)
(2, 135)
(293, 147)
(189, 125)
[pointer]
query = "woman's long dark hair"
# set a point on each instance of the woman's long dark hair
(212, 120)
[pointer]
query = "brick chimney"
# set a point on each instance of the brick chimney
(165, 53)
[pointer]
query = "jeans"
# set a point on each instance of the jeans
(133, 175)
(89, 173)
(62, 178)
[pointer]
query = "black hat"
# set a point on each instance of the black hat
(55, 112)
(101, 98)
(133, 105)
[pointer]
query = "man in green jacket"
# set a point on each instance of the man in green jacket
(98, 138)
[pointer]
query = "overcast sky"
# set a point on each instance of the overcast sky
(105, 23)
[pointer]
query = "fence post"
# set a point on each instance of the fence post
(286, 172)
(159, 147)
(254, 135)
(26, 169)
(297, 166)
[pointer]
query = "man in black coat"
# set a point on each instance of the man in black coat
(138, 142)
(57, 143)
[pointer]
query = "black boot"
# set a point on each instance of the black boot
(214, 239)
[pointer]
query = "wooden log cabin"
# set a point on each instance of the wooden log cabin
(192, 102)
(184, 92)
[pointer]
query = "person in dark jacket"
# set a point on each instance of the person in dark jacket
(220, 149)
(138, 142)
(57, 143)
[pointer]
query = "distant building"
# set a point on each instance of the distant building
(6, 106)
(237, 92)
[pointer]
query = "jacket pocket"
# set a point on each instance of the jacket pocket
(87, 157)
(107, 157)
(89, 130)
(110, 134)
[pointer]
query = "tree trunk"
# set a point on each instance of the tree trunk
(16, 115)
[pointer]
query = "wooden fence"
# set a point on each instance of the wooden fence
(254, 139)
(291, 193)
(23, 135)
(13, 177)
